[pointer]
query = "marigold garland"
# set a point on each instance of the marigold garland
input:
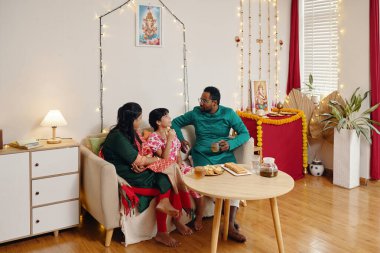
(260, 120)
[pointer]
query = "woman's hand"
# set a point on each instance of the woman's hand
(138, 169)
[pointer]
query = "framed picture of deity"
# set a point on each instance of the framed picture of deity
(261, 95)
(148, 26)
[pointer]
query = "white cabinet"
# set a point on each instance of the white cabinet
(14, 196)
(39, 190)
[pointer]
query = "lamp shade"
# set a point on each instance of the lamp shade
(54, 118)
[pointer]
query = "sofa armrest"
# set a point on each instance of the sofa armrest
(244, 153)
(99, 189)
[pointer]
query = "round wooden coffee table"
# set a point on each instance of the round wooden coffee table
(251, 187)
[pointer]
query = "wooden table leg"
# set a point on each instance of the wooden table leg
(277, 224)
(226, 218)
(216, 224)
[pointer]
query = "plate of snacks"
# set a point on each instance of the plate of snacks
(213, 170)
(236, 169)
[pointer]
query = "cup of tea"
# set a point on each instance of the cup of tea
(215, 147)
(199, 172)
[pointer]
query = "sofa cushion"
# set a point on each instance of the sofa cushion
(95, 143)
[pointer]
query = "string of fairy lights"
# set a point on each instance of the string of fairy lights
(132, 4)
(271, 4)
(340, 35)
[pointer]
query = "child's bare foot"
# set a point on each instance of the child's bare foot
(198, 223)
(182, 228)
(166, 239)
(165, 207)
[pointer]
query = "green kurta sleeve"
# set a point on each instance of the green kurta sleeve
(118, 150)
(122, 147)
(182, 121)
(241, 130)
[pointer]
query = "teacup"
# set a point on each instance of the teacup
(199, 172)
(215, 147)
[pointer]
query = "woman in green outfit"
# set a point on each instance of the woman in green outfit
(125, 148)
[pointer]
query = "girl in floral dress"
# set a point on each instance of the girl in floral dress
(161, 122)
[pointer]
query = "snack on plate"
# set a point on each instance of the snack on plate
(212, 170)
(235, 168)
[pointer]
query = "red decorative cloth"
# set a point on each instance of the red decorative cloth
(282, 142)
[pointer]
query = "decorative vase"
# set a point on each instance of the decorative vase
(346, 171)
(317, 168)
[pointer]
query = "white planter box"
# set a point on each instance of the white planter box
(346, 158)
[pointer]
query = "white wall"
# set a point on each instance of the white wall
(354, 66)
(49, 58)
(354, 60)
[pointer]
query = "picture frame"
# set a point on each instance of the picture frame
(261, 95)
(148, 26)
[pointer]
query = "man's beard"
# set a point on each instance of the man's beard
(206, 110)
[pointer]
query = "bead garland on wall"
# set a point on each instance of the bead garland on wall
(241, 14)
(184, 79)
(259, 40)
(269, 44)
(250, 104)
(276, 17)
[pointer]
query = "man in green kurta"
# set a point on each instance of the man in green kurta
(212, 123)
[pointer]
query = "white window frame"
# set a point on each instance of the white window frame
(334, 73)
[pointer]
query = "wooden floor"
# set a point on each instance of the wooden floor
(316, 217)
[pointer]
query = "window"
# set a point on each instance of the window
(320, 45)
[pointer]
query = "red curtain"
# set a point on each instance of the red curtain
(294, 78)
(375, 82)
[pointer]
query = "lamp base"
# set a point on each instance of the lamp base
(54, 141)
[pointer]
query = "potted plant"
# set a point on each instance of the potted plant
(348, 126)
(310, 86)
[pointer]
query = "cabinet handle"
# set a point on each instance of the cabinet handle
(37, 164)
(37, 193)
(37, 221)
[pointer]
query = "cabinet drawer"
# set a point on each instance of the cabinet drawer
(55, 217)
(56, 161)
(55, 189)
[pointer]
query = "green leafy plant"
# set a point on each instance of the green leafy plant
(346, 116)
(310, 85)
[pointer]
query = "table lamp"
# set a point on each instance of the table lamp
(53, 119)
